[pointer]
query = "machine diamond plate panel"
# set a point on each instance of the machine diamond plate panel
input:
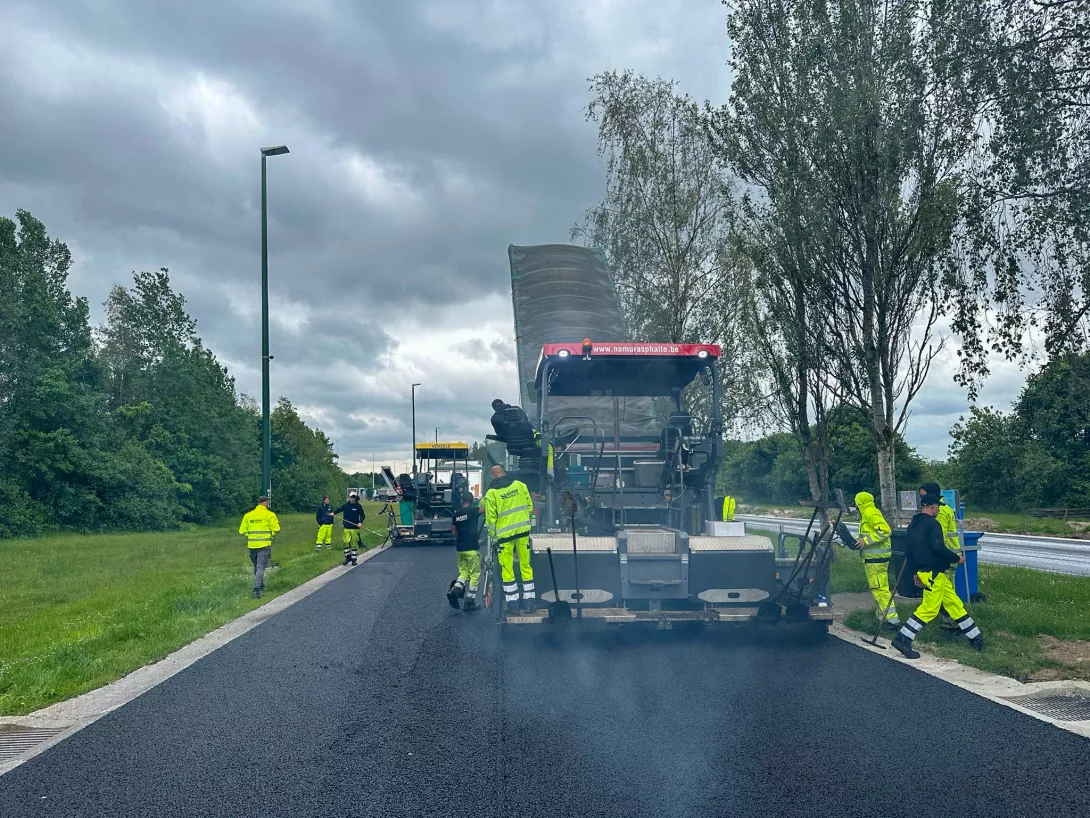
(749, 542)
(562, 542)
(651, 542)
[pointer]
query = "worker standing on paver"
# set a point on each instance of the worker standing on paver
(259, 526)
(353, 518)
(876, 548)
(927, 557)
(325, 518)
(507, 510)
(466, 533)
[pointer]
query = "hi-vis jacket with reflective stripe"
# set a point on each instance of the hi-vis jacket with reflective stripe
(507, 509)
(259, 526)
(728, 509)
(874, 531)
(949, 522)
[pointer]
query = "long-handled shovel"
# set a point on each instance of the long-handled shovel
(874, 642)
(560, 608)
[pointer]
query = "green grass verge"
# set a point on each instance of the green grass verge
(1035, 625)
(79, 611)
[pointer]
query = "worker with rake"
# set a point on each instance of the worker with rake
(927, 557)
(352, 519)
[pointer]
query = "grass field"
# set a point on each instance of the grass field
(79, 611)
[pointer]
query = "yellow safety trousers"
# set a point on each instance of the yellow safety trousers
(878, 582)
(938, 593)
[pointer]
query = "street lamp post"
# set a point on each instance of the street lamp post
(437, 434)
(414, 427)
(266, 427)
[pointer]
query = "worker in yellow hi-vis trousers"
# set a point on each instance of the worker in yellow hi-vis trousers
(507, 511)
(728, 509)
(259, 526)
(877, 549)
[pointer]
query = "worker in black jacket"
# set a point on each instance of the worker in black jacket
(353, 518)
(927, 557)
(324, 518)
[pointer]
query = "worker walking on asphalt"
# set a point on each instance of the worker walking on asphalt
(876, 548)
(507, 510)
(466, 533)
(325, 518)
(927, 557)
(353, 518)
(259, 526)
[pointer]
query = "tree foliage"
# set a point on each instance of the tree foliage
(665, 220)
(1039, 454)
(135, 425)
(853, 120)
(1027, 244)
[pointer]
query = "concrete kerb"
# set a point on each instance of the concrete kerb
(71, 716)
(990, 686)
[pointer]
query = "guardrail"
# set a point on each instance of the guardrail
(1056, 554)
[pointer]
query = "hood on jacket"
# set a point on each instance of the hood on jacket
(864, 500)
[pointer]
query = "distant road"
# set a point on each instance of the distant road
(1055, 554)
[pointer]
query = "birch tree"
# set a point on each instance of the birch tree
(881, 112)
(665, 222)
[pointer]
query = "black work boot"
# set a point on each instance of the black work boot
(904, 645)
(470, 606)
(347, 556)
(977, 642)
(354, 555)
(529, 605)
(453, 594)
(257, 594)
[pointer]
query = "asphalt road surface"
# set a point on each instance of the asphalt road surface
(371, 697)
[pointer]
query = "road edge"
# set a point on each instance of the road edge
(72, 715)
(981, 683)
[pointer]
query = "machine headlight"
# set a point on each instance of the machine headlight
(563, 353)
(702, 353)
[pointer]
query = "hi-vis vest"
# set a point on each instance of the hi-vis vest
(507, 511)
(259, 526)
(728, 509)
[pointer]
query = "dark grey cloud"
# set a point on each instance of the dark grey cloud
(426, 136)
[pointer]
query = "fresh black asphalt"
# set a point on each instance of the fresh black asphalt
(371, 697)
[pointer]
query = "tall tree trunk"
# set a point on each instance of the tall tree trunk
(887, 481)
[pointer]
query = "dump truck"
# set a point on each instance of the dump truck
(627, 441)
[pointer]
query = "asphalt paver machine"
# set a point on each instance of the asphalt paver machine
(624, 517)
(427, 505)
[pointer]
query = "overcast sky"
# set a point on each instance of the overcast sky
(425, 138)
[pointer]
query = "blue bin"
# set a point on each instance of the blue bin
(966, 578)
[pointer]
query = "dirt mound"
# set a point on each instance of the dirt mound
(984, 524)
